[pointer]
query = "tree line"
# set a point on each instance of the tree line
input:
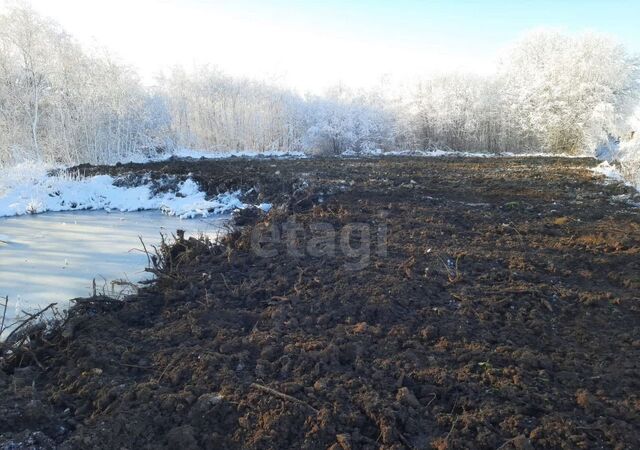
(60, 103)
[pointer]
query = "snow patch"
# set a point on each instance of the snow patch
(31, 189)
(213, 154)
(609, 171)
(438, 153)
(629, 158)
(266, 207)
(432, 153)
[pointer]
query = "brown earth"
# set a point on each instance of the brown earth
(504, 313)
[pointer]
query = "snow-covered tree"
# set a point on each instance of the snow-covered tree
(346, 121)
(569, 93)
(59, 103)
(460, 112)
(553, 92)
(213, 111)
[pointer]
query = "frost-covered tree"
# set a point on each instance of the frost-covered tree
(212, 111)
(460, 112)
(59, 103)
(554, 92)
(346, 121)
(569, 93)
(26, 45)
(628, 150)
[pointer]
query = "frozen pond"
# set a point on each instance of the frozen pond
(54, 257)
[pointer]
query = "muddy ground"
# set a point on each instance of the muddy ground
(498, 307)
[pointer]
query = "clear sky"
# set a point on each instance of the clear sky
(310, 45)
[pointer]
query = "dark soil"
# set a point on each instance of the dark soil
(504, 313)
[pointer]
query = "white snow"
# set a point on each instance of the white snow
(213, 154)
(29, 189)
(609, 171)
(266, 207)
(437, 152)
(432, 152)
(197, 154)
(629, 158)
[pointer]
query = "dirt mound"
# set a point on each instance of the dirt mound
(463, 304)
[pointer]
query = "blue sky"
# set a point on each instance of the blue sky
(489, 23)
(313, 44)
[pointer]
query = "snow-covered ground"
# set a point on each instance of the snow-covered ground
(430, 153)
(609, 171)
(196, 154)
(30, 189)
(437, 153)
(211, 154)
(621, 162)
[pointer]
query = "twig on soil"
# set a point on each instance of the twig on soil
(225, 282)
(133, 366)
(283, 396)
(513, 226)
(35, 359)
(124, 340)
(588, 429)
(508, 441)
(167, 368)
(453, 425)
(301, 273)
(207, 301)
(546, 303)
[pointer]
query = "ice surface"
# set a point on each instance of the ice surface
(54, 257)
